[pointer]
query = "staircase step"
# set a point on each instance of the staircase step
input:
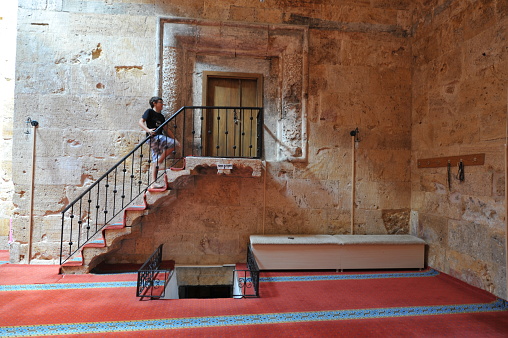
(136, 207)
(180, 165)
(96, 243)
(115, 226)
(164, 188)
(76, 261)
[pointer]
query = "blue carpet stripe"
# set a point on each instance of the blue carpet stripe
(68, 286)
(429, 273)
(250, 319)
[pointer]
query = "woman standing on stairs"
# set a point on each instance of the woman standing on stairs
(162, 146)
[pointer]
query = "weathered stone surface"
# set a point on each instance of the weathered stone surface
(283, 221)
(7, 83)
(396, 222)
(230, 40)
(476, 241)
(328, 163)
(338, 222)
(204, 275)
(418, 78)
(4, 227)
(460, 107)
(221, 216)
(370, 222)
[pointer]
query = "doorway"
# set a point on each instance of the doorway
(231, 132)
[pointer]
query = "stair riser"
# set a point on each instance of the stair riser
(112, 235)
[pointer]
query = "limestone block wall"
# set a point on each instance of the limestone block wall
(278, 52)
(7, 61)
(418, 78)
(459, 95)
(209, 223)
(353, 70)
(85, 70)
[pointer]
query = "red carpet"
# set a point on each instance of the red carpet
(4, 256)
(306, 303)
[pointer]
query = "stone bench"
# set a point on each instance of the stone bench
(381, 252)
(295, 252)
(337, 252)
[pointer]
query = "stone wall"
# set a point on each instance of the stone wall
(459, 94)
(85, 70)
(7, 61)
(278, 52)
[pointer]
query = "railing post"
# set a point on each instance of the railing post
(260, 133)
(62, 238)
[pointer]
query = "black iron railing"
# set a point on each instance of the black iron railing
(200, 131)
(152, 280)
(248, 279)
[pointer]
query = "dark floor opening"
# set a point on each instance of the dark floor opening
(205, 291)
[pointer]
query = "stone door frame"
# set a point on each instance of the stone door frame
(283, 49)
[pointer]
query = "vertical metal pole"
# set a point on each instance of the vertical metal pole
(506, 198)
(354, 139)
(264, 194)
(32, 184)
(353, 183)
(506, 207)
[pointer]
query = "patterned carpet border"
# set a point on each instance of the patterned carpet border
(95, 285)
(429, 273)
(66, 286)
(250, 319)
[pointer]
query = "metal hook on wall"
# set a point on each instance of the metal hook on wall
(460, 173)
(449, 175)
(29, 122)
(356, 134)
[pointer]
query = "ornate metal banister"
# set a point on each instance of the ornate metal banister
(201, 131)
(152, 280)
(248, 280)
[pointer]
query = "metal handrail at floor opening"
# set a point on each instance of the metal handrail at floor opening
(247, 280)
(152, 280)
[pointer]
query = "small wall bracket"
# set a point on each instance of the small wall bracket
(356, 134)
(29, 122)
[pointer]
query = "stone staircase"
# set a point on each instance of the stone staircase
(110, 238)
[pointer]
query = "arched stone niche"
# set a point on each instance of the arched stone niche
(278, 52)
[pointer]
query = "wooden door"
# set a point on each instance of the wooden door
(232, 132)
